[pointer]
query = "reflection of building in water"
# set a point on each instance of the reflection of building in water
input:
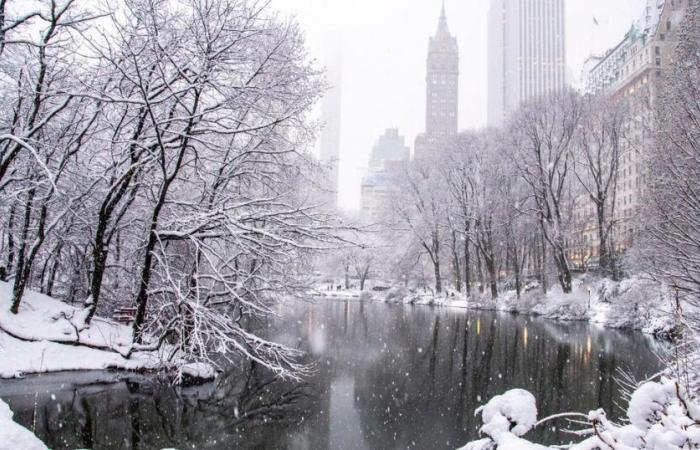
(387, 158)
(630, 71)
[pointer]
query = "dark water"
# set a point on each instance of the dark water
(388, 377)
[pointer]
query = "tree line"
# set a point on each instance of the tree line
(155, 153)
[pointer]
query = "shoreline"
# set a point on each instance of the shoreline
(632, 304)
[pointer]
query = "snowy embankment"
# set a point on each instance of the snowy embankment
(660, 415)
(48, 335)
(632, 303)
(14, 436)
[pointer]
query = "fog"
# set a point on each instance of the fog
(384, 46)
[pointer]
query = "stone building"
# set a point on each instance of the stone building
(632, 70)
(442, 91)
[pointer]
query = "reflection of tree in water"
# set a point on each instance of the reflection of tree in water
(246, 408)
(417, 374)
(424, 394)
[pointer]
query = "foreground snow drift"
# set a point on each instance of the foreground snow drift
(14, 436)
(661, 417)
(48, 336)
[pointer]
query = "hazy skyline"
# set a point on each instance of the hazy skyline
(384, 54)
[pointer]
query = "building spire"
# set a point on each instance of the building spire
(442, 24)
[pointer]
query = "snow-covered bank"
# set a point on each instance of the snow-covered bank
(48, 335)
(661, 415)
(633, 303)
(14, 436)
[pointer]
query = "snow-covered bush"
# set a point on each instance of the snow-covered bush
(660, 416)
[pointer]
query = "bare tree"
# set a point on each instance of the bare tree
(421, 209)
(599, 149)
(543, 133)
(672, 246)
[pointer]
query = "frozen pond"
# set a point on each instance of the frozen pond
(387, 377)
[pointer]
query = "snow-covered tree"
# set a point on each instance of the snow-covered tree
(156, 155)
(599, 149)
(543, 133)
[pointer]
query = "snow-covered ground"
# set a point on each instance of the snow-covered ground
(633, 303)
(48, 335)
(660, 415)
(14, 436)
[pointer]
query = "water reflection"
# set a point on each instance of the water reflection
(388, 377)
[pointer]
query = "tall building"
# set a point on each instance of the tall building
(388, 154)
(442, 90)
(631, 70)
(527, 55)
(330, 116)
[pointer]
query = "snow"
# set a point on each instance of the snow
(14, 436)
(513, 412)
(506, 418)
(21, 357)
(632, 303)
(48, 335)
(44, 318)
(661, 416)
(200, 371)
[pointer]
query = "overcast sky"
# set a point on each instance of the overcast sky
(384, 50)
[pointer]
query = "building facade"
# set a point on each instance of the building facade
(527, 54)
(442, 90)
(631, 71)
(388, 155)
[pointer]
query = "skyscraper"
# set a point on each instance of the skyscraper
(442, 90)
(387, 157)
(527, 55)
(330, 116)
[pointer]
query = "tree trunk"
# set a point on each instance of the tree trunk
(517, 268)
(603, 254)
(436, 262)
(493, 275)
(99, 258)
(6, 270)
(455, 262)
(479, 272)
(543, 271)
(563, 269)
(20, 273)
(467, 269)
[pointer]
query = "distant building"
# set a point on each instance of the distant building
(388, 154)
(389, 150)
(632, 69)
(330, 116)
(442, 90)
(527, 55)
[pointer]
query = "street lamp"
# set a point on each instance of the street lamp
(589, 297)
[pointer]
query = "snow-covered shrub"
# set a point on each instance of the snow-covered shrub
(660, 416)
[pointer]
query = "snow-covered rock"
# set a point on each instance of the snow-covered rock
(14, 436)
